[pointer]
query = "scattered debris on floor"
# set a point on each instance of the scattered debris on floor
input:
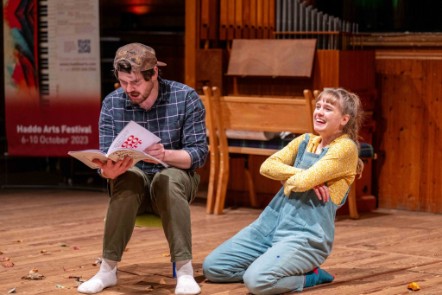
(6, 262)
(33, 275)
(413, 286)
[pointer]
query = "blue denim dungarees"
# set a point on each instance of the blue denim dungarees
(292, 236)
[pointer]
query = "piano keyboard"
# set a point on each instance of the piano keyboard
(43, 53)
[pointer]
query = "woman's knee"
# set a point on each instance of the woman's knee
(215, 272)
(210, 270)
(258, 283)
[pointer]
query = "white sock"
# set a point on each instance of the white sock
(186, 284)
(105, 277)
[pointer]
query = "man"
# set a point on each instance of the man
(175, 113)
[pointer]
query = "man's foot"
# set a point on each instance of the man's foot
(316, 277)
(186, 285)
(97, 283)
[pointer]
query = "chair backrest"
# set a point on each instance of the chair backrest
(311, 97)
(272, 114)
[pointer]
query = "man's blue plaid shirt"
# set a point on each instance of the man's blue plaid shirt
(177, 117)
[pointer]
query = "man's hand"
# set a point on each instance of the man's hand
(111, 169)
(322, 192)
(156, 150)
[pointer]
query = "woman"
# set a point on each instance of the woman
(282, 250)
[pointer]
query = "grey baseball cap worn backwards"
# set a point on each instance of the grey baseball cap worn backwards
(140, 57)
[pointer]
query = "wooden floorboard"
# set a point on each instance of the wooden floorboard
(59, 232)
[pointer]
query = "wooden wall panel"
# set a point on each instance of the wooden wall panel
(190, 49)
(357, 69)
(326, 69)
(433, 90)
(410, 130)
(210, 69)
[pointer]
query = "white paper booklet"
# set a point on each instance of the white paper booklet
(131, 142)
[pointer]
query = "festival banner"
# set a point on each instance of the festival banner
(52, 76)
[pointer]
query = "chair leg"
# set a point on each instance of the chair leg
(250, 184)
(223, 180)
(352, 206)
(211, 189)
(251, 187)
(221, 193)
(210, 196)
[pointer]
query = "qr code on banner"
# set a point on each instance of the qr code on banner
(84, 46)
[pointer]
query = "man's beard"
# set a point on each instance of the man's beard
(136, 97)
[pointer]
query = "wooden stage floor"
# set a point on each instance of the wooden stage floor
(59, 232)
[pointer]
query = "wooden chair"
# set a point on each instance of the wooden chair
(273, 114)
(213, 149)
(219, 162)
(224, 168)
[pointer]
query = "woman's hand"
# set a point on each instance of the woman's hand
(322, 192)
